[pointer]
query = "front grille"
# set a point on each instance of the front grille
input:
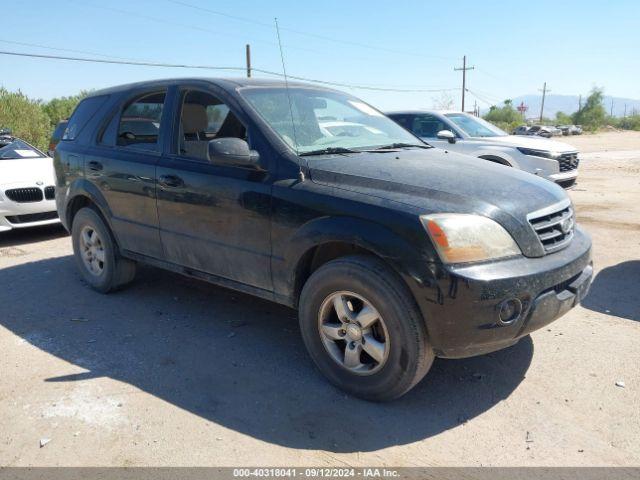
(554, 227)
(568, 161)
(50, 193)
(24, 195)
(32, 217)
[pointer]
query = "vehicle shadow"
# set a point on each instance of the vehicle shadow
(25, 236)
(616, 291)
(235, 360)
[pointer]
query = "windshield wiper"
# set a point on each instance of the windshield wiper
(329, 151)
(393, 146)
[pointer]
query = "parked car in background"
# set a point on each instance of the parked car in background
(394, 252)
(521, 130)
(56, 136)
(539, 130)
(27, 192)
(545, 131)
(464, 133)
(565, 129)
(576, 130)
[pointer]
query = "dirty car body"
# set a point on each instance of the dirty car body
(268, 225)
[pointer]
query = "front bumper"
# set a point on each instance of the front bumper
(24, 215)
(565, 179)
(462, 308)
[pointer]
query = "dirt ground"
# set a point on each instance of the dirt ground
(177, 372)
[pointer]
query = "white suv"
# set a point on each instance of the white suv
(464, 133)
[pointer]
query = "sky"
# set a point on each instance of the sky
(514, 46)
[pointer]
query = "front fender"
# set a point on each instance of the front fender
(406, 258)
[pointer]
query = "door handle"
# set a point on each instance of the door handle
(95, 166)
(171, 181)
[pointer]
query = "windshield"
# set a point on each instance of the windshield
(11, 149)
(474, 126)
(325, 120)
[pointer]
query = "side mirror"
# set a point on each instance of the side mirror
(447, 135)
(233, 152)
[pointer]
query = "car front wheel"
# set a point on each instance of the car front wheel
(363, 329)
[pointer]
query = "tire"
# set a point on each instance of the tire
(364, 281)
(107, 270)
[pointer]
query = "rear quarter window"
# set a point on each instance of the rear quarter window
(83, 113)
(59, 131)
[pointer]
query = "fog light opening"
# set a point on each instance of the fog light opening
(509, 311)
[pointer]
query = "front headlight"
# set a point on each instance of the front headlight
(461, 238)
(540, 153)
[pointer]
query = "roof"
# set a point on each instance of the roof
(416, 112)
(225, 83)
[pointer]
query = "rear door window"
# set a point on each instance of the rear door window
(139, 124)
(84, 112)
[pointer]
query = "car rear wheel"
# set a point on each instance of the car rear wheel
(363, 329)
(96, 254)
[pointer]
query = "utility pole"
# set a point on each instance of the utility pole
(248, 50)
(544, 94)
(611, 111)
(625, 110)
(464, 77)
(579, 102)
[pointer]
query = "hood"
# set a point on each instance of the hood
(538, 143)
(27, 171)
(437, 181)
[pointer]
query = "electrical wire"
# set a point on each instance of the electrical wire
(305, 33)
(212, 67)
(483, 100)
(38, 45)
(188, 26)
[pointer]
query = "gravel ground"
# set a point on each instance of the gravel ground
(177, 372)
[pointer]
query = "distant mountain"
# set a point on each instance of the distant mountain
(569, 104)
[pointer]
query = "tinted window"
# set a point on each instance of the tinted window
(139, 125)
(428, 126)
(403, 120)
(204, 117)
(84, 112)
(59, 131)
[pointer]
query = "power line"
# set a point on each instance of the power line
(304, 33)
(185, 25)
(37, 45)
(481, 98)
(212, 67)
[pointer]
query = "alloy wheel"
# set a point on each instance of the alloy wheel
(92, 250)
(353, 333)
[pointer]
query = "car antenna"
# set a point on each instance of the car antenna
(286, 86)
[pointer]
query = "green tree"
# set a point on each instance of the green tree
(60, 108)
(592, 115)
(563, 119)
(505, 117)
(25, 117)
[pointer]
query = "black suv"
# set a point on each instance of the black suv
(393, 252)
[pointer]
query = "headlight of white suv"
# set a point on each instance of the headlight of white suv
(540, 153)
(461, 238)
